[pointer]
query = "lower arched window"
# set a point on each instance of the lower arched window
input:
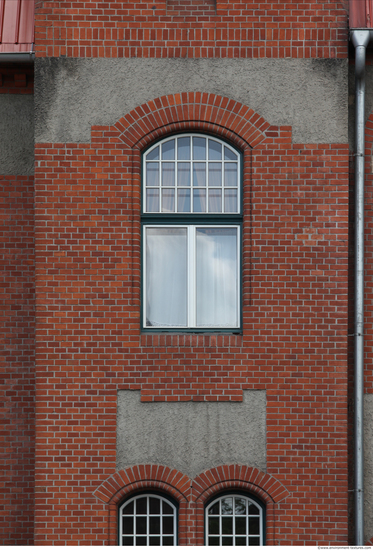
(234, 520)
(148, 520)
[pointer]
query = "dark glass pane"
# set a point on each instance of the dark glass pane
(168, 150)
(199, 148)
(213, 526)
(214, 509)
(140, 525)
(227, 505)
(167, 509)
(141, 507)
(214, 541)
(240, 506)
(154, 506)
(240, 541)
(154, 525)
(229, 155)
(214, 150)
(152, 173)
(127, 541)
(153, 155)
(227, 541)
(168, 541)
(128, 509)
(168, 525)
(154, 541)
(128, 526)
(254, 526)
(227, 525)
(254, 541)
(183, 148)
(140, 541)
(253, 510)
(241, 526)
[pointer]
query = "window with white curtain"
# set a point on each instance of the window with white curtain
(191, 234)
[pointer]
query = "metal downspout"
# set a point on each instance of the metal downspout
(360, 39)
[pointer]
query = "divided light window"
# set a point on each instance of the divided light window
(191, 234)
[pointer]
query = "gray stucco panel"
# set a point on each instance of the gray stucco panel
(368, 467)
(73, 94)
(17, 134)
(191, 436)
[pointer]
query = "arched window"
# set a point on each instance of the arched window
(192, 220)
(148, 520)
(234, 520)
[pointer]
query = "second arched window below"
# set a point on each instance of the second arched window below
(234, 520)
(192, 222)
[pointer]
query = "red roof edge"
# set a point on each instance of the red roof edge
(17, 21)
(361, 14)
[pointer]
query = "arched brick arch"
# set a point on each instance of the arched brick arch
(238, 477)
(192, 110)
(139, 478)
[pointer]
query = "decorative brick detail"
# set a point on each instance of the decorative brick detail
(191, 28)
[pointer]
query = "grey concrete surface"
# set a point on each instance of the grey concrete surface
(368, 467)
(16, 134)
(191, 436)
(71, 95)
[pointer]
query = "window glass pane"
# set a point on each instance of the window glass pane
(199, 200)
(140, 541)
(168, 150)
(230, 174)
(152, 200)
(140, 525)
(254, 525)
(227, 541)
(214, 509)
(166, 508)
(154, 506)
(183, 148)
(168, 200)
(168, 174)
(154, 154)
(199, 148)
(128, 525)
(141, 507)
(214, 526)
(199, 174)
(254, 541)
(240, 505)
(154, 541)
(154, 525)
(183, 174)
(240, 541)
(227, 525)
(217, 287)
(183, 200)
(128, 509)
(214, 541)
(167, 525)
(240, 526)
(214, 150)
(214, 200)
(229, 155)
(152, 173)
(215, 174)
(253, 510)
(230, 200)
(168, 541)
(166, 276)
(127, 541)
(226, 503)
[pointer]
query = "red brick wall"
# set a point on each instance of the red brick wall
(156, 29)
(17, 418)
(294, 341)
(15, 79)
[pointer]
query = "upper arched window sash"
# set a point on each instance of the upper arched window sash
(192, 174)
